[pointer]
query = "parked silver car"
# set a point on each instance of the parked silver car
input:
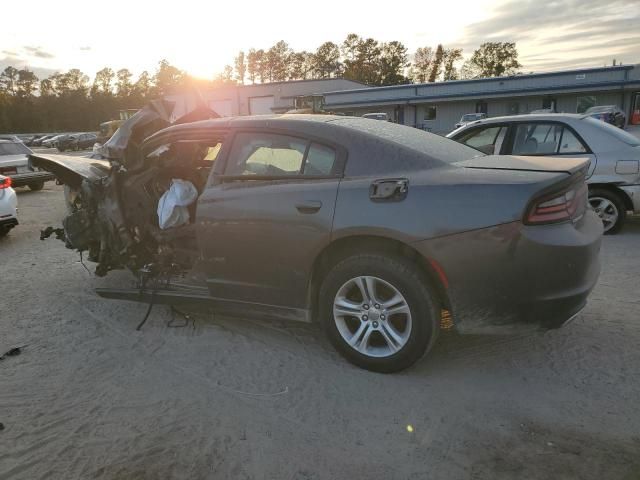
(14, 163)
(470, 117)
(614, 172)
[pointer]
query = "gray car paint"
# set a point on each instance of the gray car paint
(605, 150)
(463, 211)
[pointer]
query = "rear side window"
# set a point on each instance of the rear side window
(268, 154)
(486, 139)
(545, 139)
(320, 160)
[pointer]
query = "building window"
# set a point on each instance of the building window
(585, 103)
(514, 108)
(482, 107)
(549, 103)
(430, 113)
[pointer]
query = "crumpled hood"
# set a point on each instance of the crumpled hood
(122, 147)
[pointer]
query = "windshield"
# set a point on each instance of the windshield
(605, 108)
(13, 149)
(616, 132)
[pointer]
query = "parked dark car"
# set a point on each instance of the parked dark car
(77, 141)
(608, 113)
(36, 142)
(371, 229)
(52, 142)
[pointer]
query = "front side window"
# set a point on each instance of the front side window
(545, 139)
(268, 154)
(487, 139)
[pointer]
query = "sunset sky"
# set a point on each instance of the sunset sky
(201, 37)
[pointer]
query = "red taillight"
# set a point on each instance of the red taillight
(559, 207)
(5, 182)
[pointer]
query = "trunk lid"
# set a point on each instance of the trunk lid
(12, 164)
(568, 165)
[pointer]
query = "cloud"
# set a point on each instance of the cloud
(38, 52)
(562, 34)
(21, 63)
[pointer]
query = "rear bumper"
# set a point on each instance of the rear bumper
(22, 179)
(513, 277)
(8, 222)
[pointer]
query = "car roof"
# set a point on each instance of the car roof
(550, 117)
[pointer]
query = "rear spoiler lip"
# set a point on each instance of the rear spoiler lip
(568, 172)
(531, 163)
(71, 170)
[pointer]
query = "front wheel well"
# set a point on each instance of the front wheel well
(357, 244)
(628, 204)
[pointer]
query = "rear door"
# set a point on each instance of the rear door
(551, 139)
(263, 220)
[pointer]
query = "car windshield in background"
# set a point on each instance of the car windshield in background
(600, 109)
(470, 118)
(615, 132)
(13, 149)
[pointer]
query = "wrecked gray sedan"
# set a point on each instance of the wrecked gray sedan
(382, 233)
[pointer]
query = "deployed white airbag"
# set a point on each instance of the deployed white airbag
(172, 207)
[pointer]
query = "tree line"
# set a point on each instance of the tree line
(69, 101)
(372, 62)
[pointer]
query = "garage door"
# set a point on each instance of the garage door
(261, 105)
(221, 107)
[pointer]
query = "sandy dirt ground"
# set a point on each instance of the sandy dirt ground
(91, 398)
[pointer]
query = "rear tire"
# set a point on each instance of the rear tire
(35, 187)
(610, 208)
(390, 329)
(4, 231)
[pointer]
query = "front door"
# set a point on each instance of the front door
(264, 220)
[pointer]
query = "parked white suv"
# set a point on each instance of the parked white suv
(8, 206)
(614, 172)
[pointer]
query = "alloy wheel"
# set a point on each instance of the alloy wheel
(372, 316)
(606, 210)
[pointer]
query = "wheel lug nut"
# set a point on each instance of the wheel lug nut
(375, 324)
(377, 305)
(365, 306)
(382, 317)
(365, 318)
